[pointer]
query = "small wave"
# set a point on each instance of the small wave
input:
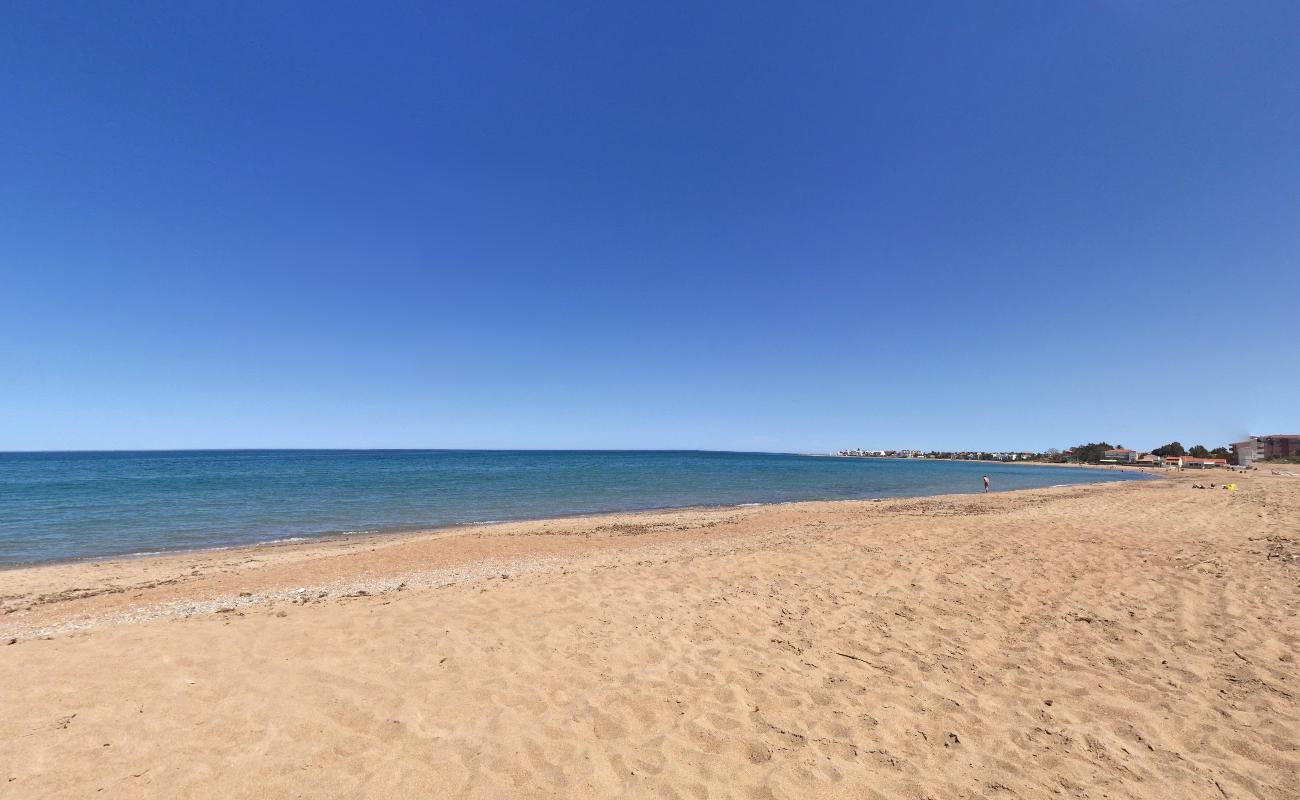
(281, 541)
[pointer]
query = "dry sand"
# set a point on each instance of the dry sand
(1113, 641)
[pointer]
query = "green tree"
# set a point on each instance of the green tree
(1171, 449)
(1198, 451)
(1089, 453)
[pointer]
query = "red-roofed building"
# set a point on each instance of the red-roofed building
(1119, 455)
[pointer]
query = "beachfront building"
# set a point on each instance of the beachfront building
(1191, 462)
(1260, 448)
(1247, 452)
(1119, 455)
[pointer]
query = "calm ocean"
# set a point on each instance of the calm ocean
(79, 505)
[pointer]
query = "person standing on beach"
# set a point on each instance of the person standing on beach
(986, 483)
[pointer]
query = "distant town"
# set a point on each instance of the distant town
(1251, 452)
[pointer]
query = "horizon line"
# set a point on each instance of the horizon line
(411, 450)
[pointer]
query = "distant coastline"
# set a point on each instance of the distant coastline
(1020, 463)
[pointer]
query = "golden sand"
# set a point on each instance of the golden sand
(1111, 641)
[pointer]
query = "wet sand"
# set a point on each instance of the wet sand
(1118, 640)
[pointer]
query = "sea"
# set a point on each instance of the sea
(85, 505)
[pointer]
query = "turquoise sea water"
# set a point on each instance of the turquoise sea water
(79, 505)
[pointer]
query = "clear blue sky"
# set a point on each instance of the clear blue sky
(724, 225)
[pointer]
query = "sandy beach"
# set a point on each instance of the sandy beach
(1133, 640)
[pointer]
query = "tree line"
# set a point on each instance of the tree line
(1094, 451)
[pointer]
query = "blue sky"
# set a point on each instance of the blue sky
(731, 225)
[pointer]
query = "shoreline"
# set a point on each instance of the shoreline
(76, 581)
(326, 536)
(176, 565)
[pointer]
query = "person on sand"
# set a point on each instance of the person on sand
(986, 483)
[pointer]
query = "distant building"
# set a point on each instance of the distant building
(1119, 455)
(1247, 452)
(1191, 462)
(1260, 448)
